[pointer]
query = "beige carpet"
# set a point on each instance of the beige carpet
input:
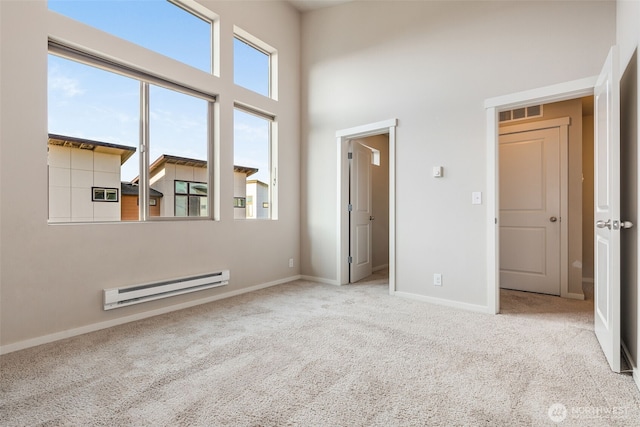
(308, 354)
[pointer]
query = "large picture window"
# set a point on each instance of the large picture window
(95, 120)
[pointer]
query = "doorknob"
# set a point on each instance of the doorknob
(626, 224)
(601, 224)
(553, 219)
(371, 218)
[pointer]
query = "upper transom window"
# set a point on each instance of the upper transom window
(254, 64)
(166, 27)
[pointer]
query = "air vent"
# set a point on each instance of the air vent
(521, 113)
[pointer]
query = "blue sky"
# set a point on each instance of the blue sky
(91, 103)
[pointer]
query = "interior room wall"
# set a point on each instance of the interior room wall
(587, 190)
(431, 65)
(52, 276)
(629, 205)
(573, 110)
(628, 40)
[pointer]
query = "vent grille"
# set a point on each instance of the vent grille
(520, 113)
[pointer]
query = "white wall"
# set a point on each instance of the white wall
(431, 65)
(52, 276)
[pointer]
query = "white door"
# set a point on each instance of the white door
(360, 216)
(607, 211)
(530, 211)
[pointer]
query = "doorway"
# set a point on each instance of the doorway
(533, 206)
(545, 193)
(547, 95)
(344, 137)
(368, 206)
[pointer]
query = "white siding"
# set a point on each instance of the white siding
(72, 174)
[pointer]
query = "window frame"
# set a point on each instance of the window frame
(105, 191)
(188, 195)
(239, 202)
(270, 51)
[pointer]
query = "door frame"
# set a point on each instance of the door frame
(563, 125)
(342, 248)
(493, 106)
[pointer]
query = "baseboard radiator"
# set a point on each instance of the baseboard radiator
(121, 297)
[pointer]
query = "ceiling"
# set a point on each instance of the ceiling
(307, 5)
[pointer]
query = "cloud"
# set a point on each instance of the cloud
(68, 87)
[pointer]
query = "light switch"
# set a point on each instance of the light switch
(476, 198)
(437, 172)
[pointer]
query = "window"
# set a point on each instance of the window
(104, 194)
(190, 198)
(178, 150)
(239, 202)
(252, 150)
(254, 64)
(165, 27)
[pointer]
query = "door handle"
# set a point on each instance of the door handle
(553, 219)
(626, 224)
(601, 224)
(371, 218)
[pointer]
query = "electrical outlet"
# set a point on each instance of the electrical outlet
(290, 262)
(437, 279)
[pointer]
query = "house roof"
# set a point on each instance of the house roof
(88, 144)
(129, 189)
(185, 161)
(245, 169)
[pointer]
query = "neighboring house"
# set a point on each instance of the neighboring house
(257, 199)
(131, 203)
(84, 179)
(241, 191)
(183, 183)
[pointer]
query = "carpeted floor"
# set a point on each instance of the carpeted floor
(309, 354)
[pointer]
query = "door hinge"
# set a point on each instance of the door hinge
(349, 156)
(350, 260)
(349, 207)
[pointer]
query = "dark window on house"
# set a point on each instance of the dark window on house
(239, 202)
(100, 194)
(190, 198)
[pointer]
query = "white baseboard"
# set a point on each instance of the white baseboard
(320, 280)
(45, 339)
(379, 267)
(446, 302)
(574, 295)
